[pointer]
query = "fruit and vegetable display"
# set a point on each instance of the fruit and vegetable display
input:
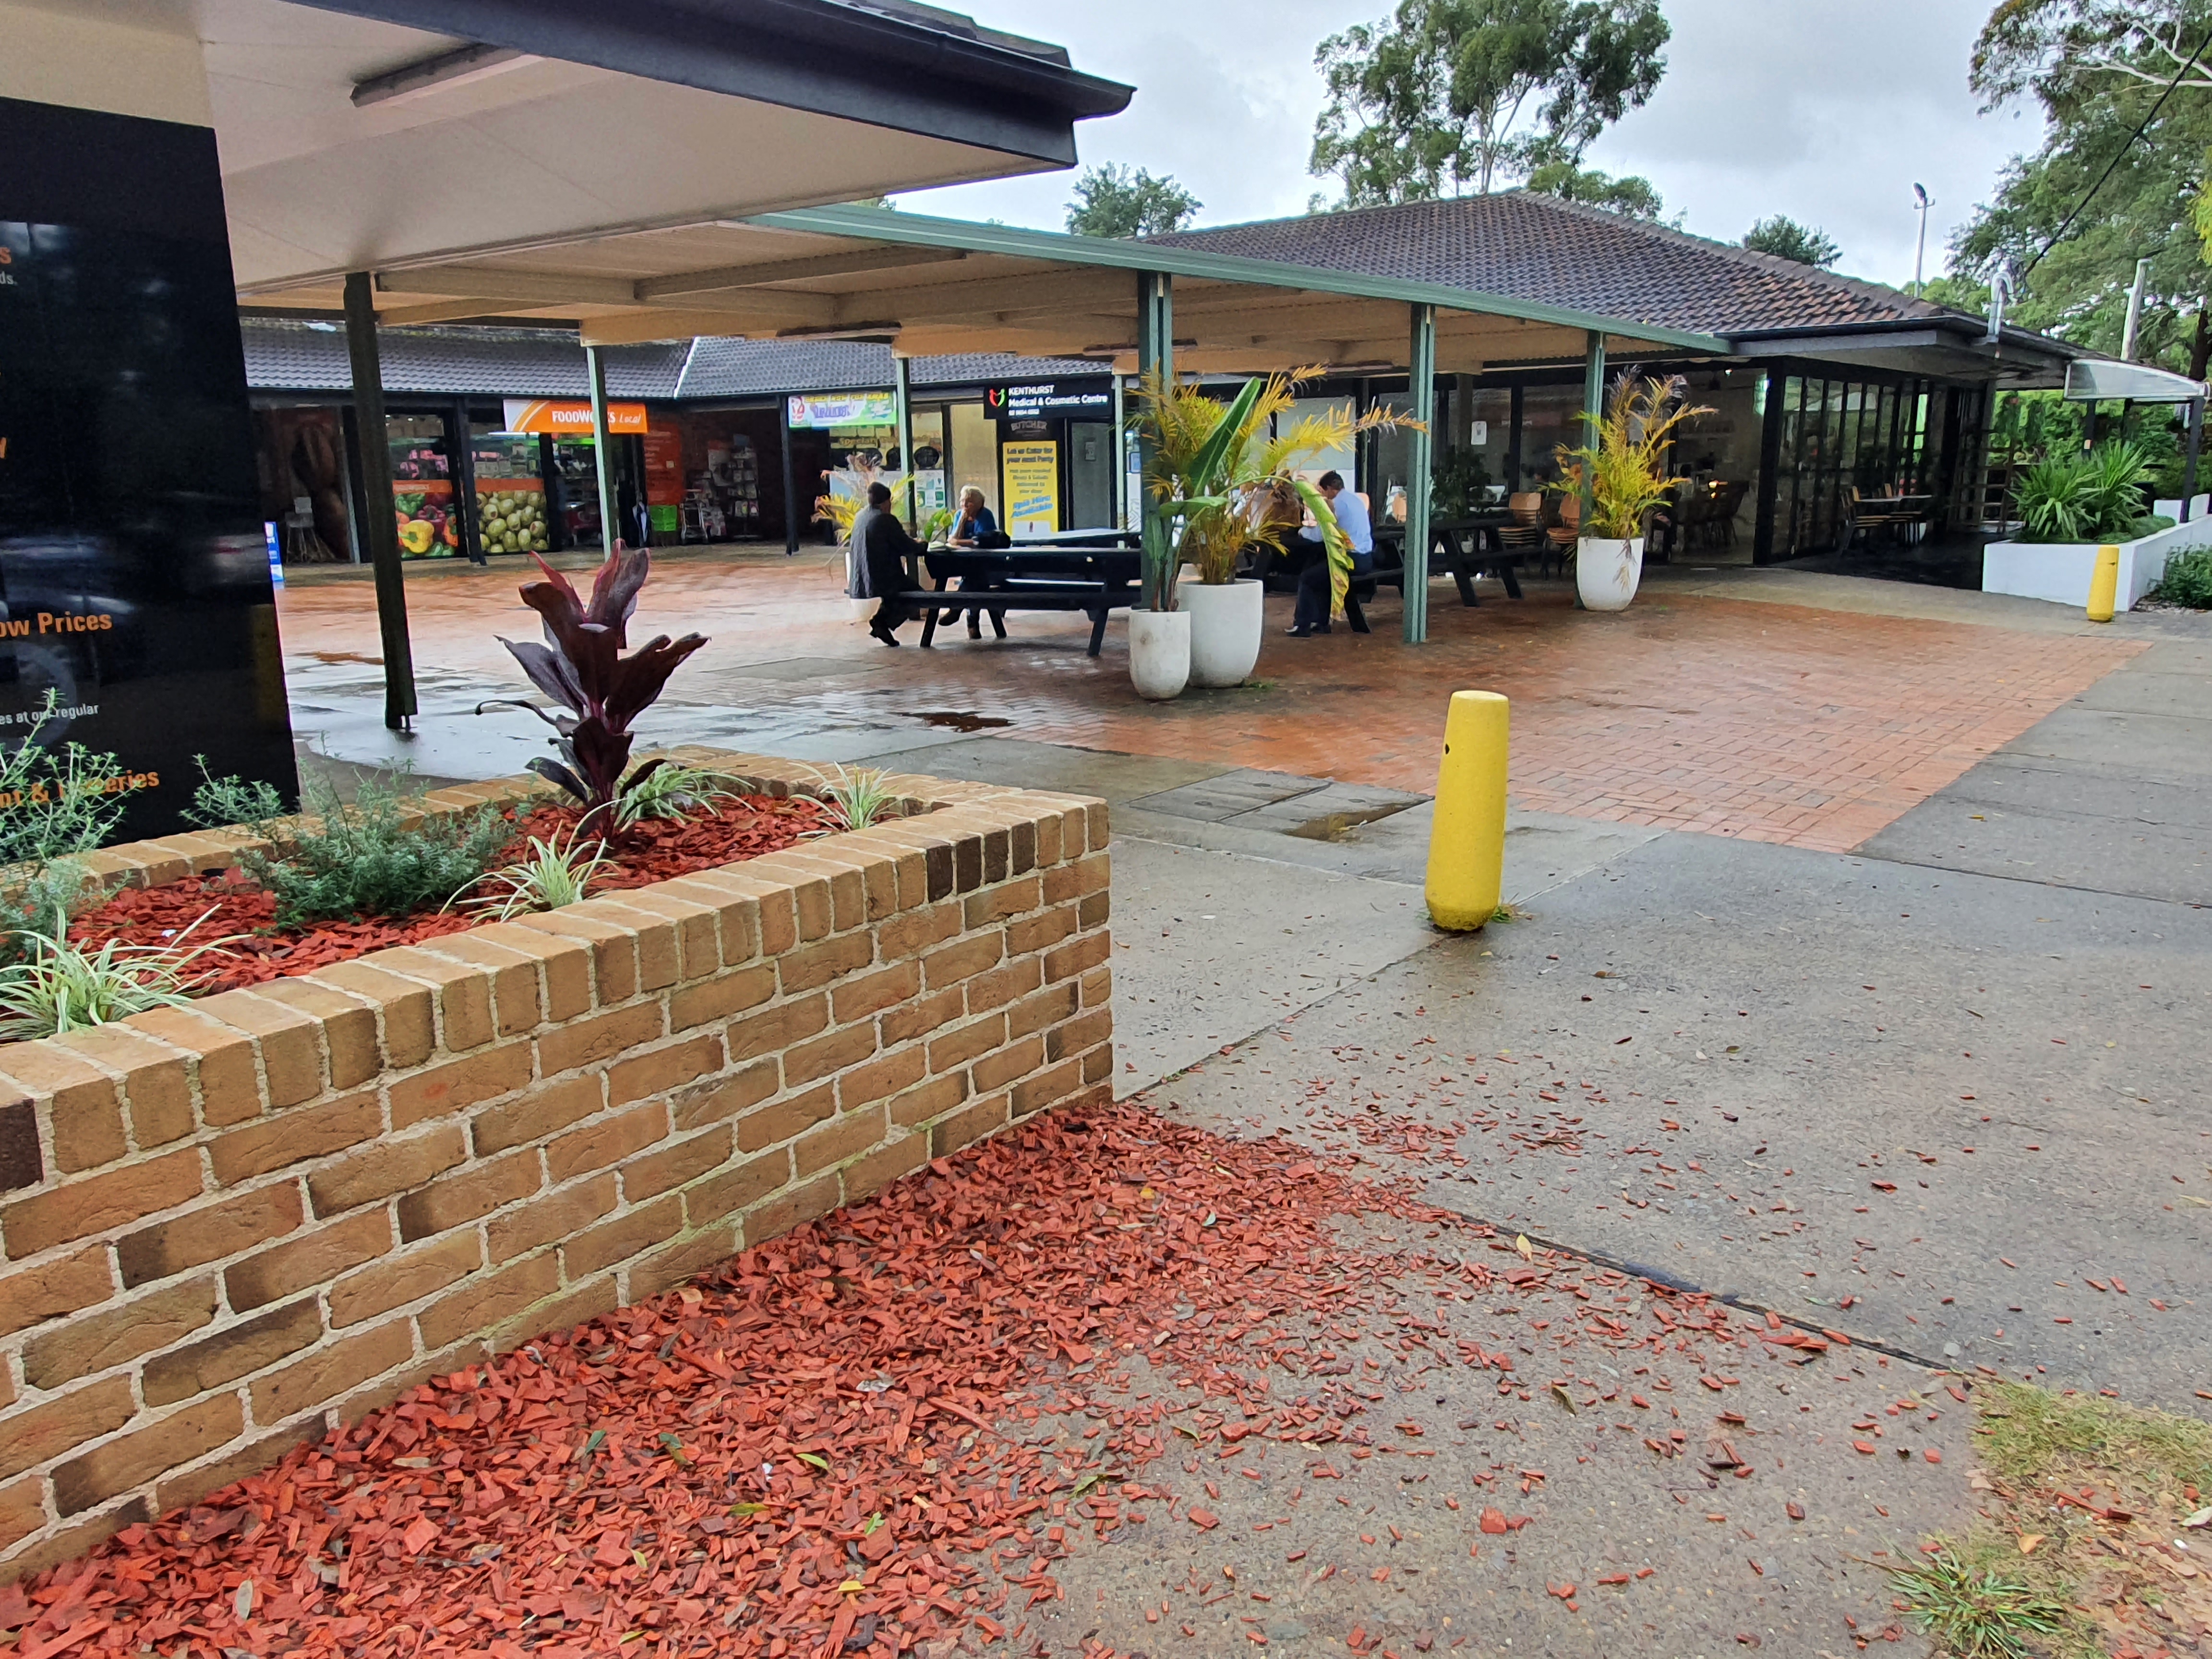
(428, 528)
(513, 521)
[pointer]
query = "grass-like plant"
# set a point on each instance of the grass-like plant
(552, 876)
(59, 987)
(673, 792)
(1978, 1613)
(52, 802)
(1229, 475)
(1625, 457)
(367, 859)
(2092, 496)
(855, 798)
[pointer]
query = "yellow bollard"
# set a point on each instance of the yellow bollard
(2104, 584)
(1467, 843)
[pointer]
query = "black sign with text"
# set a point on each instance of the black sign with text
(1091, 399)
(135, 587)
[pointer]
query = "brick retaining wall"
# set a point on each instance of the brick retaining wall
(230, 1228)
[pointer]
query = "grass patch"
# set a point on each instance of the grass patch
(2028, 1434)
(1973, 1609)
(2081, 1501)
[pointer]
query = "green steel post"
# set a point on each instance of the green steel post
(379, 529)
(1421, 392)
(903, 420)
(1592, 409)
(1155, 360)
(603, 450)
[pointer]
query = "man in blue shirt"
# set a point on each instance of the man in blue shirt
(1312, 613)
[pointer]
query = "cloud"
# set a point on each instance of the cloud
(1826, 109)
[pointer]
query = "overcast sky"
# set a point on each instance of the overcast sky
(1826, 109)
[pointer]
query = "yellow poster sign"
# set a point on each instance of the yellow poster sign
(1032, 472)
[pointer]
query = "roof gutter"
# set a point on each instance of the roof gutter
(939, 79)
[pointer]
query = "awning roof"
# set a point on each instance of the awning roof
(386, 134)
(935, 286)
(2090, 380)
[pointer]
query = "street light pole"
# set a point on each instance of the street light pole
(1921, 205)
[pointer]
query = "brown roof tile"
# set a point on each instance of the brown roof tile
(1537, 247)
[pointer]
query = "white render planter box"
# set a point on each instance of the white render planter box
(2060, 571)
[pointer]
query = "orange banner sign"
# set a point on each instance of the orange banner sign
(569, 420)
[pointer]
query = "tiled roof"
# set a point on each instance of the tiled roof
(284, 354)
(1538, 248)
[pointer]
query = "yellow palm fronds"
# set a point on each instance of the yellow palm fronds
(1217, 489)
(1626, 457)
(848, 494)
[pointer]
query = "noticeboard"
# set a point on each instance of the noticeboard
(1030, 472)
(135, 586)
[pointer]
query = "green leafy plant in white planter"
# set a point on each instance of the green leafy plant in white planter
(1626, 463)
(1216, 484)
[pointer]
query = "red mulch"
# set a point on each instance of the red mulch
(808, 1452)
(653, 851)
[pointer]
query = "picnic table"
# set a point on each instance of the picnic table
(1470, 546)
(1097, 579)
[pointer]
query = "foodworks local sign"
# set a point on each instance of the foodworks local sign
(569, 419)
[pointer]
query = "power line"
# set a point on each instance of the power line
(2120, 155)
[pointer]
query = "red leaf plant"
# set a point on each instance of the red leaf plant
(580, 666)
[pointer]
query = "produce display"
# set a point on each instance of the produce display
(428, 528)
(513, 521)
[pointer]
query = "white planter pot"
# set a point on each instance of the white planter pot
(1606, 572)
(1159, 653)
(1225, 626)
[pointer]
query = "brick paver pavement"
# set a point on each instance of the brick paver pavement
(1765, 721)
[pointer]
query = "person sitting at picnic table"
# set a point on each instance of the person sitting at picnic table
(1311, 616)
(880, 551)
(973, 526)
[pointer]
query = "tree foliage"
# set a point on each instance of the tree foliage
(1639, 198)
(1111, 200)
(1448, 96)
(2098, 69)
(1785, 238)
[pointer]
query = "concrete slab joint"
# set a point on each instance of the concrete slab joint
(228, 1229)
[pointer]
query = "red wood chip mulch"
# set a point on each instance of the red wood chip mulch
(657, 850)
(808, 1452)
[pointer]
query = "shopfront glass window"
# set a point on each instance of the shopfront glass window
(423, 486)
(510, 490)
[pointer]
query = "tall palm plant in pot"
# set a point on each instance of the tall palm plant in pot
(1625, 463)
(1223, 482)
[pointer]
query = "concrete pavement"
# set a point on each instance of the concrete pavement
(1943, 1093)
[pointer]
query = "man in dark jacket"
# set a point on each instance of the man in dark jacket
(881, 548)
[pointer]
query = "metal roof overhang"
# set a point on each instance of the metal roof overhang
(2094, 380)
(384, 135)
(932, 286)
(1951, 348)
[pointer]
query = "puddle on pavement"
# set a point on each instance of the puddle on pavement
(956, 720)
(1340, 826)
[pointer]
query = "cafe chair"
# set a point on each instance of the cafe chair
(1561, 536)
